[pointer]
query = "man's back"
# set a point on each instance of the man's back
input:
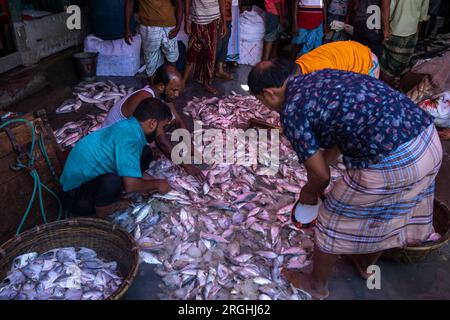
(341, 55)
(115, 149)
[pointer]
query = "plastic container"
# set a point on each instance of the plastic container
(86, 65)
(305, 216)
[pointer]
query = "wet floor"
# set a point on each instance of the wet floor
(425, 280)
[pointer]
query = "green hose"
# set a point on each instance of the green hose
(38, 185)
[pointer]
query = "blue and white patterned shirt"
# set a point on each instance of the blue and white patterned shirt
(362, 116)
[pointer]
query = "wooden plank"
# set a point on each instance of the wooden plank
(16, 186)
(11, 218)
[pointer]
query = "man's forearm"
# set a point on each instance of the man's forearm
(129, 7)
(331, 155)
(165, 145)
(316, 184)
(222, 10)
(318, 173)
(187, 10)
(179, 13)
(385, 15)
(140, 185)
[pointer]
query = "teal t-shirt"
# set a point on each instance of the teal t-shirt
(116, 149)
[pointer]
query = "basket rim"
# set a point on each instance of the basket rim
(437, 244)
(69, 222)
(127, 280)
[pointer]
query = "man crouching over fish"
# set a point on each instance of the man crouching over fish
(391, 151)
(108, 162)
(167, 87)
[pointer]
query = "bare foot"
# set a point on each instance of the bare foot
(303, 282)
(210, 89)
(224, 75)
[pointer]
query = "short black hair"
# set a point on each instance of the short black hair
(152, 108)
(269, 74)
(165, 73)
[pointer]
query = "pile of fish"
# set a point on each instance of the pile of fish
(73, 131)
(230, 237)
(101, 95)
(63, 274)
(233, 111)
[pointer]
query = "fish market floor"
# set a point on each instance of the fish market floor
(426, 280)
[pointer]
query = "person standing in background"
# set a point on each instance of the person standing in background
(359, 13)
(308, 19)
(222, 46)
(336, 11)
(233, 45)
(160, 23)
(275, 19)
(203, 18)
(405, 19)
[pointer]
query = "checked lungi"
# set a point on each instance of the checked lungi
(202, 50)
(388, 205)
(397, 54)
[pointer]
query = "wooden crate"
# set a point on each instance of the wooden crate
(16, 186)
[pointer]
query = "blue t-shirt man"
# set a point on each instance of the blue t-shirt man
(116, 149)
(110, 161)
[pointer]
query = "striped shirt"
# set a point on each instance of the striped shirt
(205, 11)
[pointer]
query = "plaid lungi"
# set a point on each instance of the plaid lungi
(202, 50)
(388, 205)
(157, 45)
(397, 54)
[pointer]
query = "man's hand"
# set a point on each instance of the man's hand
(223, 32)
(188, 27)
(128, 36)
(386, 36)
(195, 172)
(306, 197)
(173, 33)
(163, 187)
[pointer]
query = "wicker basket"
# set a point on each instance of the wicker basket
(417, 253)
(109, 241)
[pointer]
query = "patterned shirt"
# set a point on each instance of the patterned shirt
(362, 116)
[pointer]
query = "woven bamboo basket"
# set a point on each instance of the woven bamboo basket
(109, 241)
(418, 253)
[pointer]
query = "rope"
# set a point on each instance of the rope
(38, 185)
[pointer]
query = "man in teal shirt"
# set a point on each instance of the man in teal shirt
(109, 161)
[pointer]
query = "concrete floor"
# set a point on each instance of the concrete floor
(426, 280)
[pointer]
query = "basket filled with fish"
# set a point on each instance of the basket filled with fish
(418, 252)
(75, 259)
